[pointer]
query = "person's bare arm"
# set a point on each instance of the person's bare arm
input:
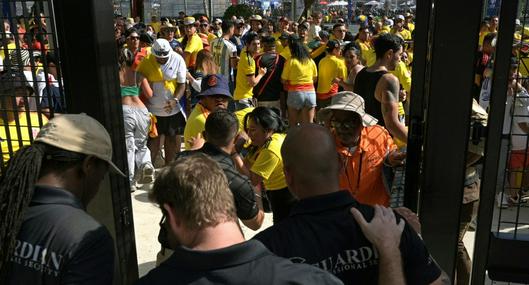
(388, 95)
(442, 280)
(254, 79)
(256, 222)
(384, 233)
(146, 88)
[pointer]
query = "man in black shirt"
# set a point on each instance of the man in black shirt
(202, 228)
(50, 239)
(269, 90)
(380, 89)
(319, 230)
(221, 136)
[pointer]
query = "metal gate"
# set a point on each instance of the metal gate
(446, 38)
(65, 52)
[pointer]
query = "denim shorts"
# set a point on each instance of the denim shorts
(301, 99)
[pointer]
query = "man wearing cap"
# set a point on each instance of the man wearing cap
(320, 230)
(364, 147)
(191, 42)
(205, 35)
(269, 91)
(50, 239)
(256, 24)
(248, 75)
(225, 52)
(282, 42)
(398, 28)
(215, 94)
(284, 24)
(168, 31)
(15, 91)
(330, 67)
(166, 71)
(216, 28)
(237, 38)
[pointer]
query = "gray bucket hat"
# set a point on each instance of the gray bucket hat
(348, 101)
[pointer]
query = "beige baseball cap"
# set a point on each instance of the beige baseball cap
(79, 133)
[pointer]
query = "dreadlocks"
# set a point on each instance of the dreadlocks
(16, 191)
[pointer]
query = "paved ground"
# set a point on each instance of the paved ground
(147, 216)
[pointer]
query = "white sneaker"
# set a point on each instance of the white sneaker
(147, 174)
(502, 200)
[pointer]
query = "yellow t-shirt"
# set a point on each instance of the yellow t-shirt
(240, 116)
(10, 47)
(211, 37)
(195, 123)
(404, 76)
(298, 73)
(26, 136)
(285, 53)
(245, 67)
(330, 67)
(318, 51)
(269, 164)
(367, 52)
(411, 27)
(482, 37)
(405, 34)
(156, 26)
(193, 46)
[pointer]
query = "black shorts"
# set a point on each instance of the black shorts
(171, 125)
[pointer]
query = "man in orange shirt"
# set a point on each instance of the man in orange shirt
(363, 146)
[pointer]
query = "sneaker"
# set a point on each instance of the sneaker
(502, 200)
(147, 174)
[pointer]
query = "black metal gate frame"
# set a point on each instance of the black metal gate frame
(443, 73)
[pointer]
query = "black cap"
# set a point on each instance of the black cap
(284, 36)
(146, 38)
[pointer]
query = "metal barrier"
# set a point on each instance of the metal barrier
(28, 48)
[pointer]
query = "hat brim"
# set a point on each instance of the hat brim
(367, 120)
(115, 169)
(161, 56)
(215, 91)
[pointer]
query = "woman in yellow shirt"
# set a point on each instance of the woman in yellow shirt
(264, 163)
(298, 76)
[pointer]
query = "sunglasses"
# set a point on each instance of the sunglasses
(160, 53)
(203, 25)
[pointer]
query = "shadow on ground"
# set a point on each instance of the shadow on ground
(144, 268)
(142, 197)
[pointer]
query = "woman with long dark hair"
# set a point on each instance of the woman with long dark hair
(299, 75)
(264, 163)
(136, 117)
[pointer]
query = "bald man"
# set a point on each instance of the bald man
(320, 230)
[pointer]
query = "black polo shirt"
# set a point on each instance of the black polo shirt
(321, 231)
(240, 185)
(270, 85)
(244, 263)
(59, 243)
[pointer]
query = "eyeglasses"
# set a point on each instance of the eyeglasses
(344, 125)
(160, 52)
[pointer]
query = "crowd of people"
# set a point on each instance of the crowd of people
(274, 115)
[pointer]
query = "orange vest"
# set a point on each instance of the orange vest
(361, 173)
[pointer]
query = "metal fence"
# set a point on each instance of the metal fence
(30, 61)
